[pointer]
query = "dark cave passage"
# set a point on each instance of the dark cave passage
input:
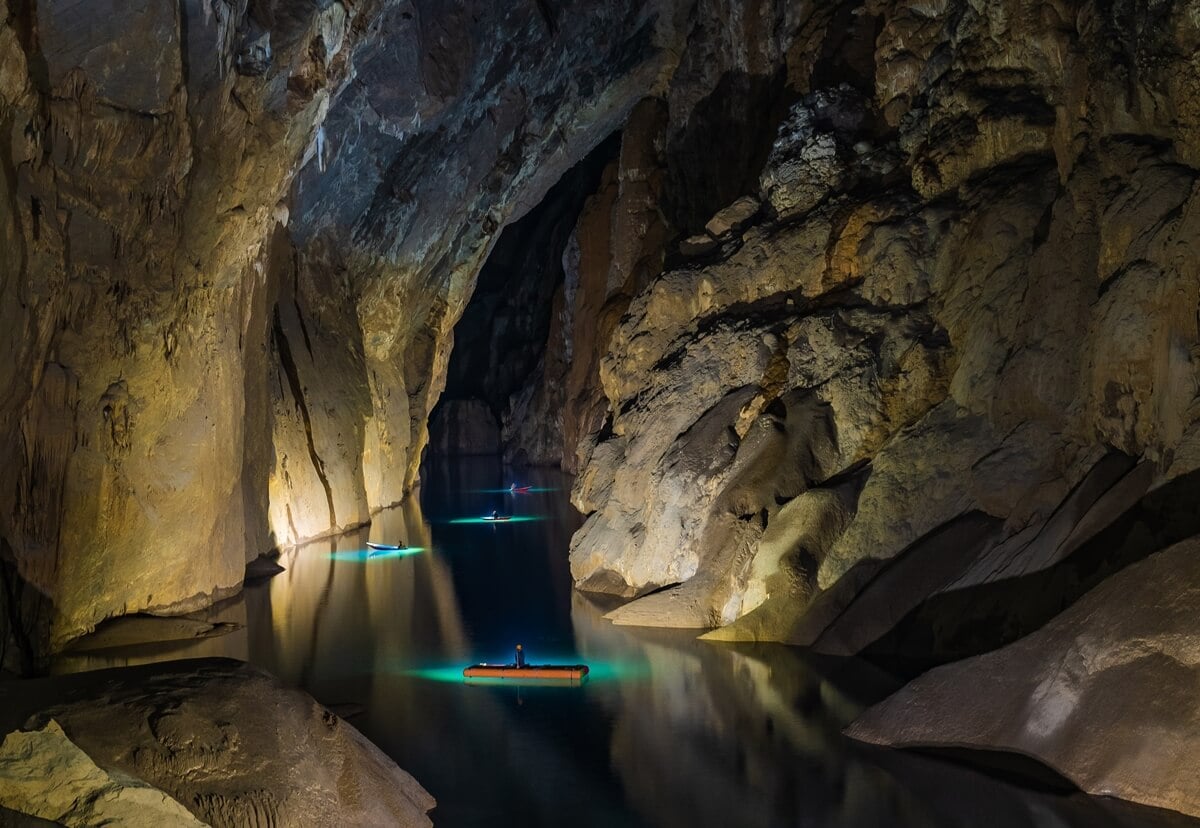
(512, 347)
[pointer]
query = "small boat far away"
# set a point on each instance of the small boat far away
(515, 489)
(385, 547)
(496, 518)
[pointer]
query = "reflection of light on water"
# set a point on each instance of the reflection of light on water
(363, 555)
(520, 490)
(450, 674)
(526, 682)
(603, 672)
(490, 522)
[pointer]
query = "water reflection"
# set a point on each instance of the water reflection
(233, 644)
(668, 731)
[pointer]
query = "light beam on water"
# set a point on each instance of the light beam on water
(368, 555)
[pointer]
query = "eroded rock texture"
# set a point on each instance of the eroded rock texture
(945, 338)
(229, 743)
(44, 774)
(145, 154)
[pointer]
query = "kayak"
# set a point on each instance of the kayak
(385, 547)
(519, 489)
(564, 672)
(497, 518)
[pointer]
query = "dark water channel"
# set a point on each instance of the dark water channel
(668, 731)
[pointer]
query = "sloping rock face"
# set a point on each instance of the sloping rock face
(757, 725)
(956, 340)
(1105, 693)
(231, 744)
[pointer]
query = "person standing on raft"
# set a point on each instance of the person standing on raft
(520, 656)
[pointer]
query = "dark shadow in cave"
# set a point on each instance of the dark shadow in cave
(502, 337)
(25, 613)
(718, 155)
(966, 622)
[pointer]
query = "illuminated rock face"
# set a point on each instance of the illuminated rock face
(142, 168)
(235, 245)
(956, 341)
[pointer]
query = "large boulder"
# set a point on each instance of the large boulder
(230, 743)
(43, 774)
(1106, 693)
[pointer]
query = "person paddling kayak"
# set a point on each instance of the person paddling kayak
(520, 656)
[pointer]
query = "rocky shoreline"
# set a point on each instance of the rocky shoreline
(227, 742)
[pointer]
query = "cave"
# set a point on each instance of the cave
(677, 413)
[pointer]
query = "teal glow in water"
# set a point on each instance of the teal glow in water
(366, 555)
(530, 490)
(565, 684)
(489, 522)
(451, 674)
(667, 731)
(603, 671)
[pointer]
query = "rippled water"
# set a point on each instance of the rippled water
(668, 730)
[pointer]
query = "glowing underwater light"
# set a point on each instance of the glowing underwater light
(490, 522)
(604, 672)
(365, 555)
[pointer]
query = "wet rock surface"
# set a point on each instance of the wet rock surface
(228, 742)
(781, 710)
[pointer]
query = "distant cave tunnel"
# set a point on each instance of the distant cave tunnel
(499, 397)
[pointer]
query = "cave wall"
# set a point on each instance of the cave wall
(860, 276)
(947, 336)
(145, 153)
(237, 239)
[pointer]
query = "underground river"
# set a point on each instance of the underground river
(667, 731)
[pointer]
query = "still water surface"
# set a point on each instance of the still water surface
(668, 730)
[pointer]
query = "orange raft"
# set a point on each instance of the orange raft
(565, 672)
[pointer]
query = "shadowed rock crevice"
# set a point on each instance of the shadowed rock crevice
(298, 398)
(965, 622)
(717, 155)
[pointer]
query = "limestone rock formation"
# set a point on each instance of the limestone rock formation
(952, 355)
(464, 427)
(241, 237)
(1105, 693)
(43, 774)
(228, 742)
(750, 733)
(144, 160)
